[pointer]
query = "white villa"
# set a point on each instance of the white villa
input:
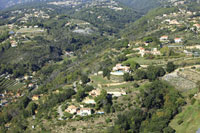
(84, 112)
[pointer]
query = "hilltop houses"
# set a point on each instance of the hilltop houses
(78, 111)
(142, 51)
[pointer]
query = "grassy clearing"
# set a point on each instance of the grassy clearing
(190, 117)
(99, 80)
(30, 30)
(143, 61)
(116, 83)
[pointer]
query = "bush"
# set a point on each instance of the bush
(73, 129)
(193, 101)
(179, 122)
(136, 85)
(108, 120)
(191, 96)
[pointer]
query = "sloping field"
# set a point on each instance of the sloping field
(190, 117)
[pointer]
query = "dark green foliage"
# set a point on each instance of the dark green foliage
(106, 73)
(128, 77)
(136, 85)
(54, 99)
(168, 130)
(160, 102)
(193, 100)
(153, 72)
(3, 36)
(85, 79)
(134, 65)
(104, 100)
(31, 108)
(170, 67)
(129, 121)
(140, 74)
(88, 88)
(180, 122)
(122, 58)
(80, 95)
(148, 39)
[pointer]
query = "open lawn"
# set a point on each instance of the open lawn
(115, 83)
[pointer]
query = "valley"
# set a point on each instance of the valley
(99, 66)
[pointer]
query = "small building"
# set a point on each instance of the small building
(116, 93)
(95, 93)
(84, 112)
(119, 67)
(13, 43)
(71, 109)
(35, 97)
(174, 22)
(11, 32)
(117, 73)
(177, 40)
(197, 26)
(155, 51)
(164, 38)
(30, 85)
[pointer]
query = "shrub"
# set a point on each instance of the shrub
(193, 101)
(179, 122)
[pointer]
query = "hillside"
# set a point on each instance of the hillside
(100, 66)
(141, 5)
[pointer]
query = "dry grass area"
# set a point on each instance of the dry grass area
(190, 117)
(96, 124)
(183, 78)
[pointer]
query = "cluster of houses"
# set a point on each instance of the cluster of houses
(165, 38)
(7, 97)
(79, 111)
(72, 109)
(143, 51)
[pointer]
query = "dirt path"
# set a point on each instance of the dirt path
(60, 112)
(114, 84)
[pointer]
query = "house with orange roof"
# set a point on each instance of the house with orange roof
(163, 38)
(71, 109)
(177, 40)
